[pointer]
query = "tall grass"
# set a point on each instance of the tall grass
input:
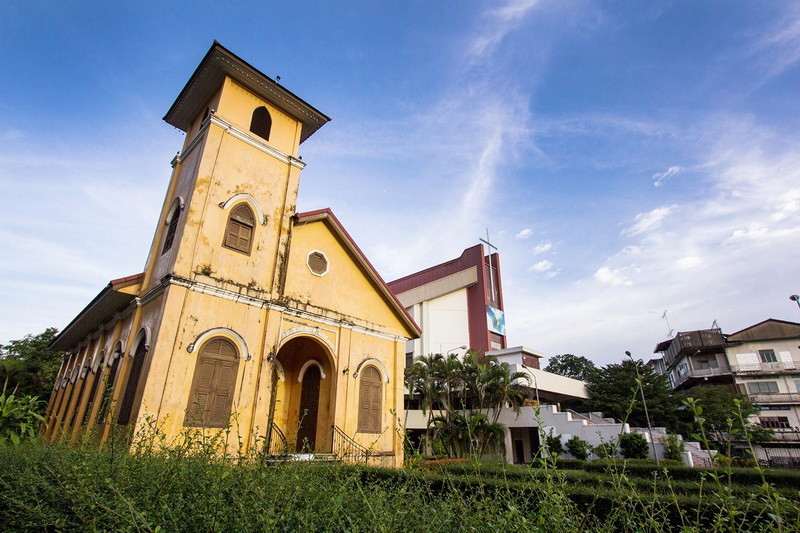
(189, 484)
(190, 487)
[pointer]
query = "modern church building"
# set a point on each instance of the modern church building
(248, 316)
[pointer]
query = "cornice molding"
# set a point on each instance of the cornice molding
(226, 294)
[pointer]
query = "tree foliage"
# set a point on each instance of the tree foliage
(571, 366)
(19, 417)
(725, 415)
(463, 399)
(29, 365)
(614, 390)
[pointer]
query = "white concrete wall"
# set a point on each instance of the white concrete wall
(444, 324)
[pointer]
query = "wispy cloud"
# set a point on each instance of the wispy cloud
(659, 177)
(498, 23)
(524, 234)
(646, 222)
(780, 42)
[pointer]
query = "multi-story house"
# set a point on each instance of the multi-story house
(761, 361)
(694, 358)
(765, 362)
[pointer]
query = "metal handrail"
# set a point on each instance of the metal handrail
(277, 444)
(348, 449)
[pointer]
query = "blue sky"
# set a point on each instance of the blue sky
(627, 158)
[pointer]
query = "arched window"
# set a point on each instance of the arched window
(172, 227)
(370, 399)
(108, 391)
(239, 231)
(261, 123)
(213, 385)
(98, 377)
(126, 407)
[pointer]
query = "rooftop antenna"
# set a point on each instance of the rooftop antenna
(714, 324)
(670, 330)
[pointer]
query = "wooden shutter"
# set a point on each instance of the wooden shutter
(108, 392)
(370, 400)
(213, 385)
(133, 384)
(98, 377)
(239, 230)
(171, 229)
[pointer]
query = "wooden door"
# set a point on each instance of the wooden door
(309, 409)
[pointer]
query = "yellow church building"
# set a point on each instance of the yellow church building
(249, 318)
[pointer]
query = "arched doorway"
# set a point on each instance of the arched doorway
(303, 405)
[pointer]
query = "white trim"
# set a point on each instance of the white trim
(310, 362)
(178, 202)
(243, 136)
(376, 362)
(221, 332)
(306, 330)
(250, 200)
(281, 373)
(144, 331)
(117, 354)
(96, 363)
(247, 138)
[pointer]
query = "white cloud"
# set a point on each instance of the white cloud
(659, 177)
(646, 222)
(615, 277)
(524, 234)
(541, 266)
(543, 247)
(688, 262)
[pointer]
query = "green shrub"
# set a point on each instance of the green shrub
(578, 447)
(554, 445)
(633, 446)
(722, 461)
(605, 450)
(673, 447)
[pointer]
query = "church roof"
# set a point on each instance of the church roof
(112, 299)
(326, 216)
(220, 62)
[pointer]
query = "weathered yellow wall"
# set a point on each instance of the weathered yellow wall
(219, 167)
(345, 288)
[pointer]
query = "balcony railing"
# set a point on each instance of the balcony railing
(786, 435)
(778, 397)
(779, 366)
(700, 373)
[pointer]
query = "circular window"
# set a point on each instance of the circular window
(317, 263)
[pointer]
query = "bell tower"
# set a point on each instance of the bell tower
(227, 213)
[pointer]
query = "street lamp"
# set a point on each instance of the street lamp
(456, 349)
(646, 414)
(795, 298)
